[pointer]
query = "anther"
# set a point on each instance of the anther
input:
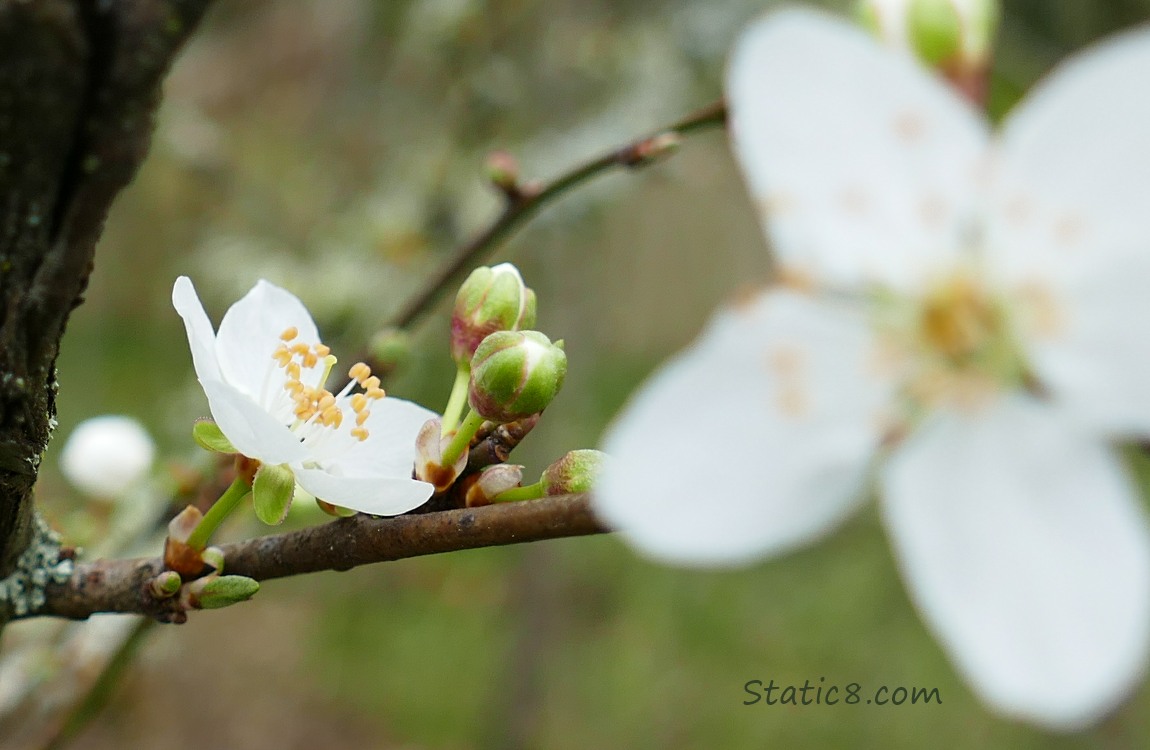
(358, 402)
(321, 350)
(360, 433)
(289, 333)
(361, 417)
(370, 383)
(359, 372)
(375, 394)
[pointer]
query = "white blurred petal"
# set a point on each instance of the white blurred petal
(380, 496)
(1069, 179)
(250, 428)
(250, 332)
(201, 336)
(104, 456)
(755, 439)
(862, 165)
(1070, 227)
(1023, 545)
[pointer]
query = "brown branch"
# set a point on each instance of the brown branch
(79, 84)
(122, 585)
(525, 201)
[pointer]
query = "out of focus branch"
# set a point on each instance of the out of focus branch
(122, 585)
(524, 201)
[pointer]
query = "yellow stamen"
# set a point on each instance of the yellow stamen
(322, 351)
(289, 333)
(361, 417)
(293, 370)
(358, 402)
(375, 394)
(359, 372)
(326, 402)
(370, 383)
(359, 433)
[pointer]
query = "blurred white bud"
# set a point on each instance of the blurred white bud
(105, 455)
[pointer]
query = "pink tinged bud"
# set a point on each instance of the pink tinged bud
(502, 171)
(178, 555)
(574, 473)
(515, 374)
(491, 482)
(429, 445)
(491, 299)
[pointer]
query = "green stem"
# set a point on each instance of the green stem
(462, 439)
(458, 399)
(216, 514)
(527, 492)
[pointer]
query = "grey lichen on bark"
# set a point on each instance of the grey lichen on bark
(79, 84)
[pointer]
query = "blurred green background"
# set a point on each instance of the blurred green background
(335, 147)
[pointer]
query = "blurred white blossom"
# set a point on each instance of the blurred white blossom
(967, 314)
(104, 456)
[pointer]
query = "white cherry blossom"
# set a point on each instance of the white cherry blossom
(964, 322)
(264, 374)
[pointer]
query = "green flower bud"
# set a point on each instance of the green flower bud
(390, 350)
(574, 473)
(166, 584)
(492, 299)
(952, 35)
(515, 374)
(215, 592)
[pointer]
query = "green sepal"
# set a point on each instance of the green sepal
(227, 590)
(210, 437)
(272, 493)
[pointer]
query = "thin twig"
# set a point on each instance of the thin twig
(122, 585)
(521, 205)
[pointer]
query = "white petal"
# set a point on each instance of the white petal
(1025, 549)
(250, 332)
(1089, 345)
(390, 448)
(755, 439)
(201, 337)
(252, 430)
(861, 163)
(1069, 178)
(1070, 226)
(380, 496)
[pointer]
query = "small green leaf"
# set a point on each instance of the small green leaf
(227, 590)
(208, 436)
(272, 493)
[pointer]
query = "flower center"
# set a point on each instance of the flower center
(315, 405)
(957, 342)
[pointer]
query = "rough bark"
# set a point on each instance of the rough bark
(79, 85)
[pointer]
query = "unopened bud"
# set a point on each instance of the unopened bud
(429, 445)
(215, 592)
(213, 557)
(178, 554)
(655, 148)
(492, 481)
(166, 584)
(390, 350)
(491, 299)
(104, 456)
(954, 36)
(515, 374)
(502, 171)
(574, 473)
